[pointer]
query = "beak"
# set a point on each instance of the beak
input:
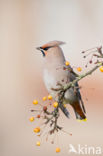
(38, 48)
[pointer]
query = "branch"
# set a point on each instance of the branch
(72, 84)
(62, 89)
(52, 117)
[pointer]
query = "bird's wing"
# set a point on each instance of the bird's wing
(80, 99)
(64, 110)
(73, 77)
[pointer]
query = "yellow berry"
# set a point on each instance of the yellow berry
(35, 102)
(49, 97)
(31, 119)
(44, 98)
(38, 143)
(37, 130)
(64, 105)
(79, 69)
(67, 63)
(55, 104)
(101, 68)
(57, 149)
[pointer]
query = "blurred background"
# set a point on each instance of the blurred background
(24, 25)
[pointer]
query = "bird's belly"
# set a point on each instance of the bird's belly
(51, 80)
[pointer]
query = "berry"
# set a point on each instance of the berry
(64, 105)
(37, 130)
(101, 68)
(55, 104)
(38, 143)
(57, 150)
(67, 63)
(38, 116)
(90, 61)
(35, 102)
(79, 69)
(49, 97)
(44, 98)
(31, 119)
(45, 108)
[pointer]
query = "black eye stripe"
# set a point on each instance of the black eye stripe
(45, 48)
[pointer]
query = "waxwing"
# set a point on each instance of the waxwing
(54, 75)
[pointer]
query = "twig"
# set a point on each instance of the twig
(54, 115)
(72, 84)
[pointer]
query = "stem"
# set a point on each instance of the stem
(72, 84)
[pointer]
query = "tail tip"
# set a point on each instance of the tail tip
(80, 120)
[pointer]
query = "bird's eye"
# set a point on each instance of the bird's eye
(46, 48)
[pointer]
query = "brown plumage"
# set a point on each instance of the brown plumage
(78, 110)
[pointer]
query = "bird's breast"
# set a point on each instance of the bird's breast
(49, 79)
(53, 77)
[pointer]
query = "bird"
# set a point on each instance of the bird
(55, 75)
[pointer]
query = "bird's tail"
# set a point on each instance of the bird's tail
(64, 110)
(80, 114)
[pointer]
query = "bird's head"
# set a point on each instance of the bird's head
(50, 47)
